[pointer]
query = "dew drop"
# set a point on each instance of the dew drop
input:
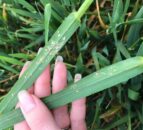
(52, 43)
(25, 77)
(59, 35)
(76, 90)
(96, 74)
(64, 38)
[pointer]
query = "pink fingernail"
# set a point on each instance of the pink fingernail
(59, 59)
(26, 101)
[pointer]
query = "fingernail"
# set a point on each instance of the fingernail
(59, 59)
(40, 49)
(27, 63)
(26, 101)
(77, 77)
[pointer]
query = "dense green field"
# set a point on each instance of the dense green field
(110, 31)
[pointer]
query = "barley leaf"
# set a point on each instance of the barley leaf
(47, 20)
(24, 13)
(57, 41)
(10, 60)
(117, 11)
(134, 31)
(93, 83)
(9, 68)
(26, 5)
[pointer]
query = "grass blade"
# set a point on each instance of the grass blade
(93, 83)
(57, 41)
(47, 20)
(24, 13)
(26, 5)
(98, 81)
(117, 11)
(127, 3)
(10, 60)
(9, 68)
(134, 31)
(21, 56)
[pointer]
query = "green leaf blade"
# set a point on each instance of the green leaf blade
(57, 41)
(94, 83)
(98, 81)
(47, 14)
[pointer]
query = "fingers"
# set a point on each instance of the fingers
(36, 113)
(59, 82)
(60, 75)
(78, 112)
(42, 84)
(22, 126)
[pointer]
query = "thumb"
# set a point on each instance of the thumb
(35, 112)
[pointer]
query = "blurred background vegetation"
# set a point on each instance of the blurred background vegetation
(111, 31)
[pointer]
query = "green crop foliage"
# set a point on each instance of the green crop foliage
(110, 59)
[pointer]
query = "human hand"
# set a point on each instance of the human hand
(37, 115)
